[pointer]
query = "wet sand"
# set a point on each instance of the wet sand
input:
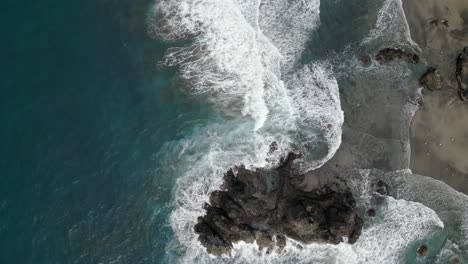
(439, 129)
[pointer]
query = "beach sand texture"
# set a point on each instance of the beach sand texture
(439, 129)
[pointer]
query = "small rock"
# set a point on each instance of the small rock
(464, 95)
(414, 59)
(365, 59)
(280, 242)
(431, 80)
(390, 54)
(273, 147)
(382, 188)
(422, 250)
(371, 212)
(437, 21)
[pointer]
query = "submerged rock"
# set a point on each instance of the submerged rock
(264, 206)
(381, 187)
(431, 80)
(462, 73)
(390, 54)
(365, 59)
(422, 250)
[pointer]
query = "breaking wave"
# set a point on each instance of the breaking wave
(244, 56)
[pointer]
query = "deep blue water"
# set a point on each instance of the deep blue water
(84, 112)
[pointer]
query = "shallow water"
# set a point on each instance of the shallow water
(84, 112)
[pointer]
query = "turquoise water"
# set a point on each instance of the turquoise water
(84, 111)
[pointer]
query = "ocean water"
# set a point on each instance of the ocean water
(84, 114)
(119, 117)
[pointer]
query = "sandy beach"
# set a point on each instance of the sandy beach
(439, 129)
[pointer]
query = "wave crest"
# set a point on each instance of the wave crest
(244, 56)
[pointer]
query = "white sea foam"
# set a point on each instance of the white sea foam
(244, 56)
(387, 239)
(241, 57)
(288, 24)
(239, 50)
(384, 241)
(449, 205)
(449, 253)
(308, 88)
(391, 25)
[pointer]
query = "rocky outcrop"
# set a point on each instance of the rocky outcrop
(264, 206)
(390, 54)
(431, 80)
(462, 74)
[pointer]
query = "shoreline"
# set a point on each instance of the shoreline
(439, 128)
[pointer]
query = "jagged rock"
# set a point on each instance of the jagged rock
(264, 240)
(209, 238)
(390, 54)
(431, 80)
(422, 250)
(264, 206)
(462, 74)
(280, 242)
(371, 212)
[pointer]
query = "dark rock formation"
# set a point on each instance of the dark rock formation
(381, 188)
(390, 54)
(463, 95)
(422, 250)
(441, 21)
(263, 205)
(431, 80)
(371, 212)
(462, 74)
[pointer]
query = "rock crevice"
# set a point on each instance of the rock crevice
(264, 206)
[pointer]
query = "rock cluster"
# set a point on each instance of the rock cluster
(431, 80)
(264, 206)
(462, 74)
(390, 54)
